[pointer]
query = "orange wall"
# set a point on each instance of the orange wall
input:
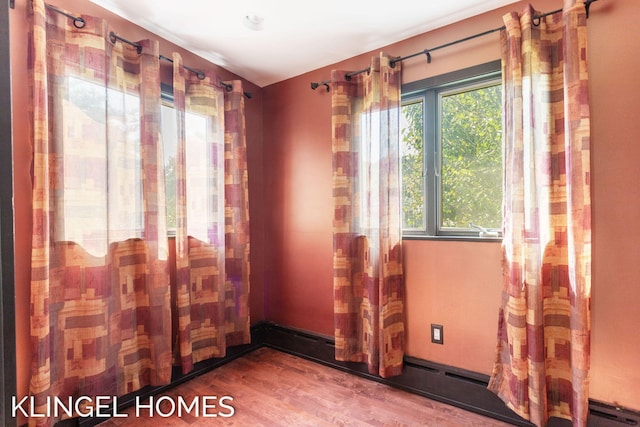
(453, 283)
(22, 165)
(615, 106)
(458, 284)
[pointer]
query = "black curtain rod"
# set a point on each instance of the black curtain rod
(114, 37)
(79, 22)
(427, 52)
(200, 75)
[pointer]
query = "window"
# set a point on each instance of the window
(97, 183)
(204, 183)
(451, 154)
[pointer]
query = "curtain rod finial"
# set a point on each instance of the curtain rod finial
(325, 83)
(587, 5)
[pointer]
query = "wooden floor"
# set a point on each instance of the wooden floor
(271, 388)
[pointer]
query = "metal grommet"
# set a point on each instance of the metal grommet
(79, 22)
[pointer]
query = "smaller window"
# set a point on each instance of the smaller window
(204, 186)
(451, 154)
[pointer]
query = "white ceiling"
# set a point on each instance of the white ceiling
(298, 35)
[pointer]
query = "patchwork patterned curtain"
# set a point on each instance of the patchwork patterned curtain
(212, 230)
(100, 296)
(367, 258)
(544, 324)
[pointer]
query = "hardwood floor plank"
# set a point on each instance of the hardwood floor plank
(270, 388)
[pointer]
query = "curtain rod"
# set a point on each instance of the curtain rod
(79, 22)
(427, 52)
(200, 75)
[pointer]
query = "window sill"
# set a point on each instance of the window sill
(453, 238)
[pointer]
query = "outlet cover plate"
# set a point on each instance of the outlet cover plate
(437, 334)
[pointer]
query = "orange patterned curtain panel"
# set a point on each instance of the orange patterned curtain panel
(544, 324)
(367, 258)
(212, 217)
(100, 296)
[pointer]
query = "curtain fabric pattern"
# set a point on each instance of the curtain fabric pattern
(101, 303)
(212, 249)
(542, 362)
(100, 296)
(367, 259)
(237, 223)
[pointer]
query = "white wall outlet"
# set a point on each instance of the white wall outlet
(437, 334)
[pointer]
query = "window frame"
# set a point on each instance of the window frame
(428, 91)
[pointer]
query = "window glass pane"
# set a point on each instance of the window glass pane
(169, 146)
(200, 178)
(412, 152)
(98, 182)
(471, 155)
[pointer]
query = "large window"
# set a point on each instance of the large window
(451, 148)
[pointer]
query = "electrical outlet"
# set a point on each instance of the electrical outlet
(437, 334)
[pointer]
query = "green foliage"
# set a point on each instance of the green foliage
(412, 160)
(170, 191)
(471, 160)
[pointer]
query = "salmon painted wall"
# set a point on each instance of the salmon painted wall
(22, 164)
(458, 284)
